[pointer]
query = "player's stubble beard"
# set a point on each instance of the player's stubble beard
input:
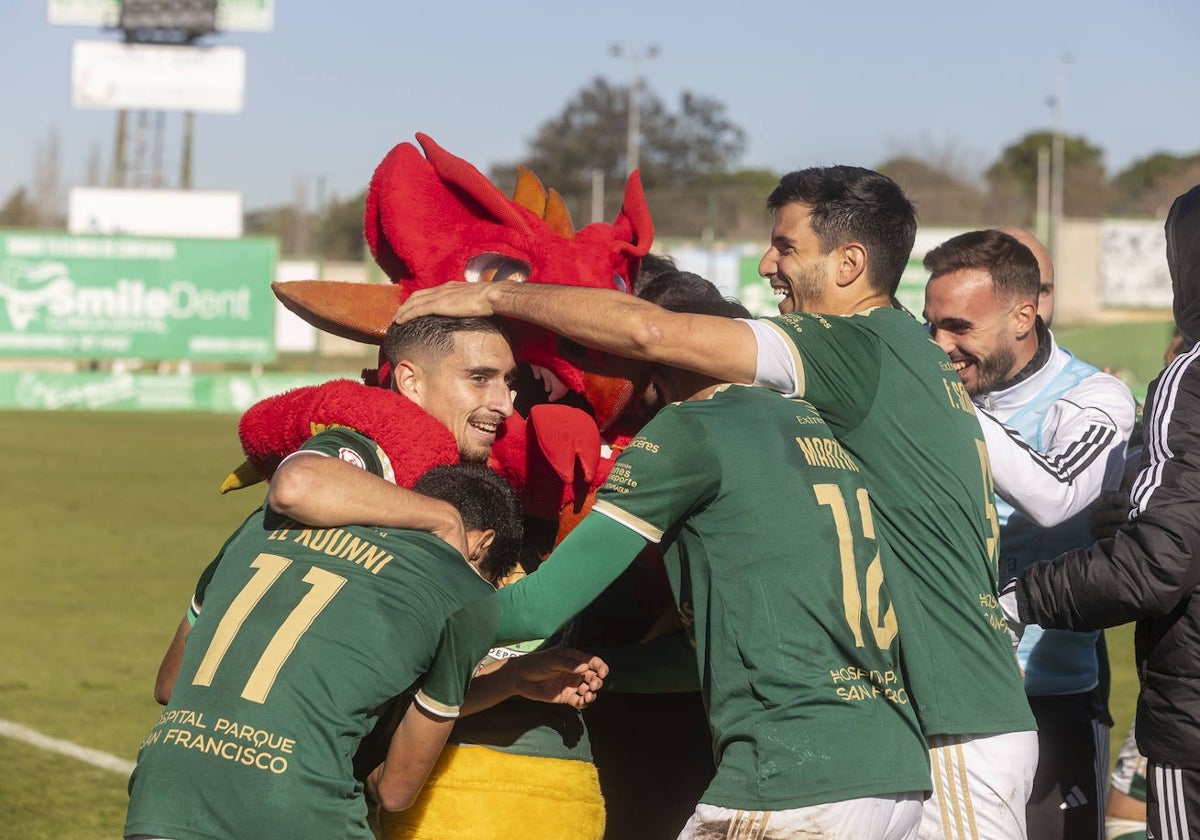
(992, 370)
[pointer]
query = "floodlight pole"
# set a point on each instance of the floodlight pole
(1058, 163)
(117, 178)
(185, 162)
(633, 127)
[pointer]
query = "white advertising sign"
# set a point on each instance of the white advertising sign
(292, 333)
(209, 215)
(107, 74)
(1133, 265)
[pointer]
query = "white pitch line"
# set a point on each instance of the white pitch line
(89, 756)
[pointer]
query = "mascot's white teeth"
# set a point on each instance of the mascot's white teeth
(555, 390)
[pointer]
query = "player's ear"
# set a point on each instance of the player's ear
(1024, 319)
(407, 379)
(851, 263)
(478, 543)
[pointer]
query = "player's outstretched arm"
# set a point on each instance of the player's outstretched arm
(603, 319)
(414, 749)
(591, 557)
(326, 492)
(1144, 571)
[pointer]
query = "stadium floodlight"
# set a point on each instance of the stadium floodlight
(167, 21)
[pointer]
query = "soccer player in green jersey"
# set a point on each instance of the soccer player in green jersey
(306, 634)
(458, 371)
(840, 242)
(795, 644)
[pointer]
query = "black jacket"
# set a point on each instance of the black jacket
(1149, 572)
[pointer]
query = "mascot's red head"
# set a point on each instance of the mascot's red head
(433, 218)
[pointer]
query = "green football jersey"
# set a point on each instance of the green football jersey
(895, 402)
(304, 636)
(770, 546)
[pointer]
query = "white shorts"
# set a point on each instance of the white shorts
(895, 817)
(980, 786)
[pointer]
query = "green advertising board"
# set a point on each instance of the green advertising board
(220, 393)
(116, 297)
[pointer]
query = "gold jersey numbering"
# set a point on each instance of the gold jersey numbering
(268, 567)
(882, 623)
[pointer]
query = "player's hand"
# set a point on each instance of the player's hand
(455, 300)
(451, 530)
(1112, 511)
(560, 675)
(1008, 605)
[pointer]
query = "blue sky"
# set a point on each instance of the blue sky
(336, 84)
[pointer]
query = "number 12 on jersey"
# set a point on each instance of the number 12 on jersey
(881, 623)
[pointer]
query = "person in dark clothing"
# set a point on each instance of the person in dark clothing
(1148, 572)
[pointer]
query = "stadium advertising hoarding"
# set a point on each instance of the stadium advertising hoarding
(106, 74)
(220, 393)
(111, 297)
(1133, 264)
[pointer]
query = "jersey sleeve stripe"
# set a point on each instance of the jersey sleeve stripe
(639, 526)
(1068, 465)
(434, 707)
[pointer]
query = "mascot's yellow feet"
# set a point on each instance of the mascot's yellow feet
(476, 792)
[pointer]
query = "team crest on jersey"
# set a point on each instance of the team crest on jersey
(350, 456)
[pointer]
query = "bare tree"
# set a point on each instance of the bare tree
(46, 190)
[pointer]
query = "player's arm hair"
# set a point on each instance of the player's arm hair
(414, 749)
(621, 324)
(168, 669)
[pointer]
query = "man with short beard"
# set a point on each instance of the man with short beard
(1056, 430)
(1148, 570)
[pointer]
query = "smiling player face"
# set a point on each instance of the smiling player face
(976, 329)
(468, 390)
(796, 265)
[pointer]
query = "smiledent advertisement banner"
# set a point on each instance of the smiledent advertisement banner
(109, 297)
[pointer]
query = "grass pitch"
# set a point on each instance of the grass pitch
(109, 519)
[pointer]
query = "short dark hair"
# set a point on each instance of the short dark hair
(853, 204)
(650, 267)
(484, 500)
(432, 335)
(1012, 266)
(683, 291)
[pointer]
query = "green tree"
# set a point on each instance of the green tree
(342, 236)
(696, 139)
(941, 197)
(1085, 188)
(18, 211)
(726, 205)
(1148, 186)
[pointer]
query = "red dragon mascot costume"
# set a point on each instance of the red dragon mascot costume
(433, 218)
